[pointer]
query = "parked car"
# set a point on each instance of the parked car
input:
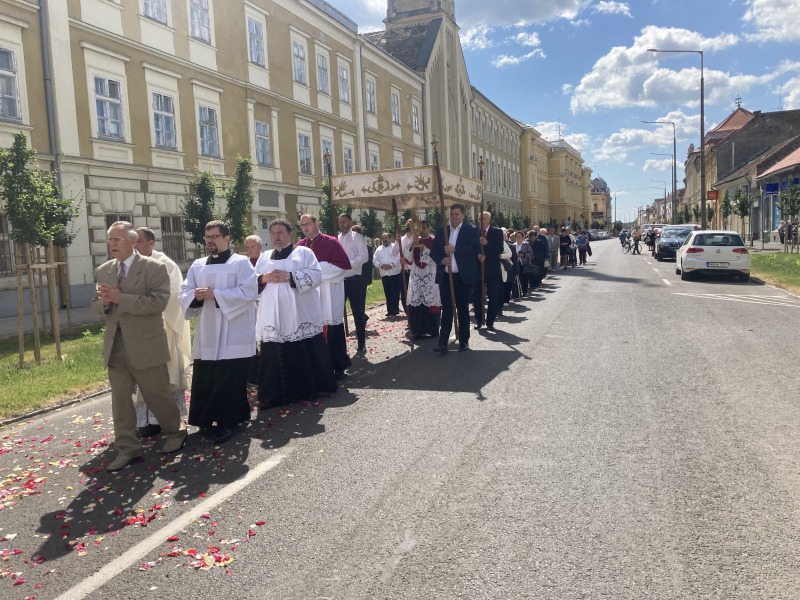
(670, 240)
(713, 251)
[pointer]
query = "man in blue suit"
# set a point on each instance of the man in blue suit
(456, 249)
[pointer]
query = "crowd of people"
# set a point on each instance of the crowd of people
(265, 316)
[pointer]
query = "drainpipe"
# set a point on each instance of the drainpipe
(52, 126)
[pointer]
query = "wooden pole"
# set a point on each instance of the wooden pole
(37, 348)
(51, 288)
(400, 249)
(334, 221)
(65, 289)
(435, 144)
(481, 164)
(20, 305)
(38, 255)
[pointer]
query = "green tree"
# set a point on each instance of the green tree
(789, 202)
(684, 214)
(709, 213)
(239, 198)
(727, 206)
(371, 225)
(696, 213)
(434, 218)
(741, 204)
(526, 222)
(36, 211)
(198, 205)
(517, 222)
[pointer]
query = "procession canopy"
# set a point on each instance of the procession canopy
(413, 188)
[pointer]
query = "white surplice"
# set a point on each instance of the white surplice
(331, 293)
(286, 313)
(228, 331)
(180, 345)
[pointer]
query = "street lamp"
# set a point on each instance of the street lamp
(674, 169)
(703, 216)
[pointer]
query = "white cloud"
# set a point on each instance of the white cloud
(505, 60)
(658, 165)
(790, 94)
(477, 38)
(580, 23)
(773, 20)
(652, 137)
(612, 8)
(632, 76)
(527, 39)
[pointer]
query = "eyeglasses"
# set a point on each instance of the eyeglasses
(210, 238)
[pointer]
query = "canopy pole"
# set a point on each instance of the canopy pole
(481, 164)
(435, 144)
(400, 249)
(334, 219)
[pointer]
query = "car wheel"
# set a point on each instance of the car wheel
(658, 257)
(684, 275)
(744, 277)
(677, 268)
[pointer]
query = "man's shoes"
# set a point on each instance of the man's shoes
(491, 328)
(362, 348)
(149, 430)
(173, 445)
(463, 347)
(440, 350)
(223, 435)
(122, 461)
(478, 326)
(340, 374)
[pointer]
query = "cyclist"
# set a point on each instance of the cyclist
(623, 235)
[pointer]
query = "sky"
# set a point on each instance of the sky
(582, 71)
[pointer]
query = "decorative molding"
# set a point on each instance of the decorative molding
(100, 50)
(162, 70)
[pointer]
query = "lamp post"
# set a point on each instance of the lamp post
(665, 191)
(703, 215)
(674, 168)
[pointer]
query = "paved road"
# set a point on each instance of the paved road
(626, 435)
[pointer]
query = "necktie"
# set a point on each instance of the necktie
(121, 276)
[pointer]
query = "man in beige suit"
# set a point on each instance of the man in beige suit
(132, 293)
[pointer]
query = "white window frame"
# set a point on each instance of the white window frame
(299, 71)
(323, 74)
(200, 20)
(415, 118)
(255, 42)
(396, 108)
(263, 150)
(347, 155)
(157, 10)
(304, 153)
(327, 145)
(209, 130)
(104, 98)
(166, 120)
(10, 96)
(344, 84)
(372, 100)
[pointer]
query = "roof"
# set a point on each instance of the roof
(762, 160)
(787, 163)
(731, 124)
(411, 44)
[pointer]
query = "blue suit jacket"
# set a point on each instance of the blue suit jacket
(468, 246)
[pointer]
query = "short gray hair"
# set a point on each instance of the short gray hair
(127, 226)
(255, 238)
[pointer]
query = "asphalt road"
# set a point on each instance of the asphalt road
(625, 435)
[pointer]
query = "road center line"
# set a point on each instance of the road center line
(140, 550)
(667, 281)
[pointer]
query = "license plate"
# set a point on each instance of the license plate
(719, 265)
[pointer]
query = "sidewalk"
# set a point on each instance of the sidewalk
(9, 326)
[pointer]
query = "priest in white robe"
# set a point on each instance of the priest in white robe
(295, 363)
(178, 337)
(221, 290)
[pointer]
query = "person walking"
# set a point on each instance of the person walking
(355, 246)
(132, 293)
(388, 264)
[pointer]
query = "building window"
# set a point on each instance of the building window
(9, 100)
(373, 161)
(200, 20)
(327, 146)
(415, 118)
(6, 248)
(299, 62)
(348, 159)
(304, 146)
(322, 74)
(344, 84)
(372, 105)
(164, 121)
(172, 238)
(209, 132)
(155, 9)
(255, 35)
(398, 164)
(395, 108)
(263, 156)
(108, 100)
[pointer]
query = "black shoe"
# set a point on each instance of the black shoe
(491, 328)
(478, 326)
(340, 375)
(149, 430)
(362, 348)
(223, 435)
(463, 347)
(439, 350)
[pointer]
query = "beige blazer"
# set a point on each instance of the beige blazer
(145, 293)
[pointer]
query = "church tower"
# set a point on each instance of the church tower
(414, 9)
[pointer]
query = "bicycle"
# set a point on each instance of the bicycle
(636, 247)
(627, 245)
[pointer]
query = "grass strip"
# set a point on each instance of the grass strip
(778, 269)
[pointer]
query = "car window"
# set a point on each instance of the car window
(718, 239)
(689, 239)
(676, 233)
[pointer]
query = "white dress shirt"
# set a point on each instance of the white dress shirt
(405, 244)
(355, 246)
(384, 255)
(452, 242)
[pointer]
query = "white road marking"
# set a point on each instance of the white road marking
(766, 300)
(140, 550)
(654, 269)
(667, 281)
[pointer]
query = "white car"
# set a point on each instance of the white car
(713, 251)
